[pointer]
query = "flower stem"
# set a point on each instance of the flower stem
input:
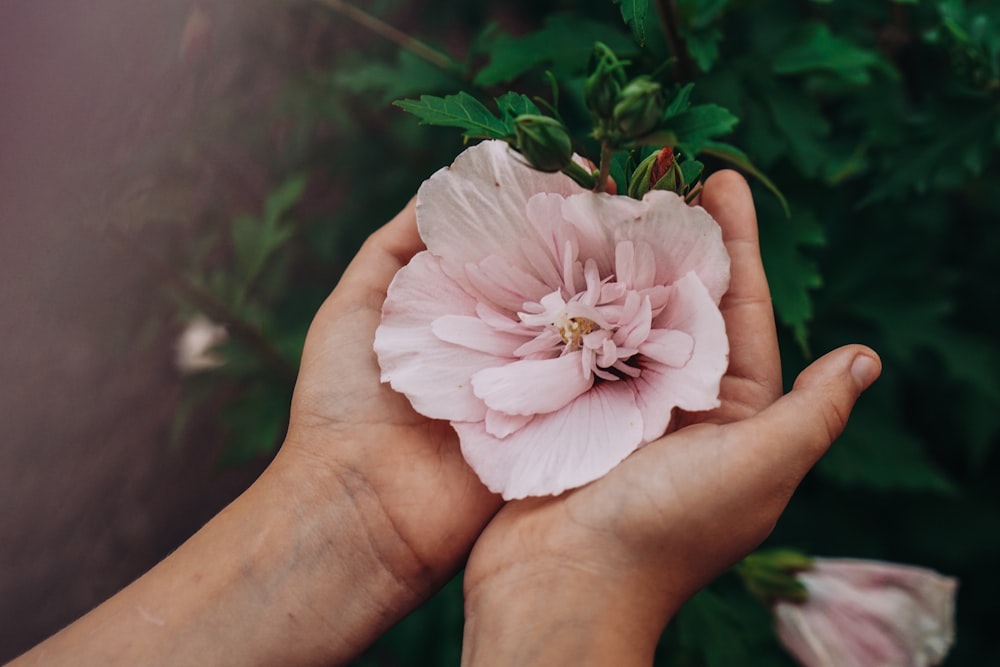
(605, 169)
(383, 29)
(678, 49)
(583, 177)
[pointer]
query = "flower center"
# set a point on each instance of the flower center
(575, 328)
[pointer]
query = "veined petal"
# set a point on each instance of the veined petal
(474, 334)
(635, 264)
(686, 238)
(695, 385)
(669, 347)
(502, 284)
(500, 425)
(530, 387)
(596, 216)
(434, 374)
(476, 207)
(557, 451)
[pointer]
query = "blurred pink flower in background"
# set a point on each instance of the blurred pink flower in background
(555, 328)
(869, 614)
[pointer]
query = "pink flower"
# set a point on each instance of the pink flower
(869, 614)
(555, 328)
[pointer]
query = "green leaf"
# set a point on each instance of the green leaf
(462, 110)
(512, 105)
(875, 453)
(814, 48)
(565, 43)
(738, 158)
(635, 13)
(693, 128)
(410, 75)
(791, 275)
(798, 120)
(680, 103)
(696, 14)
(255, 421)
(708, 626)
(703, 46)
(284, 197)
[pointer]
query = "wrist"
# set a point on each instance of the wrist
(561, 614)
(345, 573)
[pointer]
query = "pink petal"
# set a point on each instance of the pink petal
(695, 386)
(558, 451)
(668, 347)
(529, 386)
(502, 284)
(501, 425)
(474, 334)
(635, 264)
(476, 207)
(869, 613)
(434, 374)
(596, 217)
(686, 238)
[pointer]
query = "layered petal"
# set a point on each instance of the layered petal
(556, 328)
(435, 374)
(686, 239)
(532, 386)
(558, 451)
(694, 385)
(476, 207)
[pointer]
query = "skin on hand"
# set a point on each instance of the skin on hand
(593, 576)
(366, 510)
(369, 507)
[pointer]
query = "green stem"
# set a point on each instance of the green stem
(667, 10)
(605, 169)
(383, 29)
(583, 177)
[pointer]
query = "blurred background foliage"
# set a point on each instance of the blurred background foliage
(877, 119)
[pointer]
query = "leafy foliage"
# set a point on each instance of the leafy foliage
(879, 121)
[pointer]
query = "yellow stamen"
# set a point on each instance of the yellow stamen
(575, 329)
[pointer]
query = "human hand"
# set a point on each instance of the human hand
(592, 576)
(418, 501)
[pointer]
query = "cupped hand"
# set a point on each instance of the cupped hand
(626, 550)
(420, 503)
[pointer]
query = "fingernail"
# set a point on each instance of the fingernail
(865, 370)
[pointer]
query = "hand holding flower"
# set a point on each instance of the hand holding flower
(592, 576)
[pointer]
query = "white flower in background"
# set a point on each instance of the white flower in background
(195, 345)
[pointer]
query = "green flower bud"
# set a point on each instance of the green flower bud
(544, 142)
(639, 108)
(770, 575)
(659, 171)
(603, 86)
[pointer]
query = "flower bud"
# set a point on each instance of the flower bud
(544, 142)
(603, 86)
(639, 107)
(659, 171)
(868, 613)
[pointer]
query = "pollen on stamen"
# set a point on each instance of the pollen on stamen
(575, 329)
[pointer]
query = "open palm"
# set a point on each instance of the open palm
(680, 510)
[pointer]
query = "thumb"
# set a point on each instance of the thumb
(797, 429)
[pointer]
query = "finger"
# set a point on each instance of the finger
(385, 252)
(782, 443)
(753, 380)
